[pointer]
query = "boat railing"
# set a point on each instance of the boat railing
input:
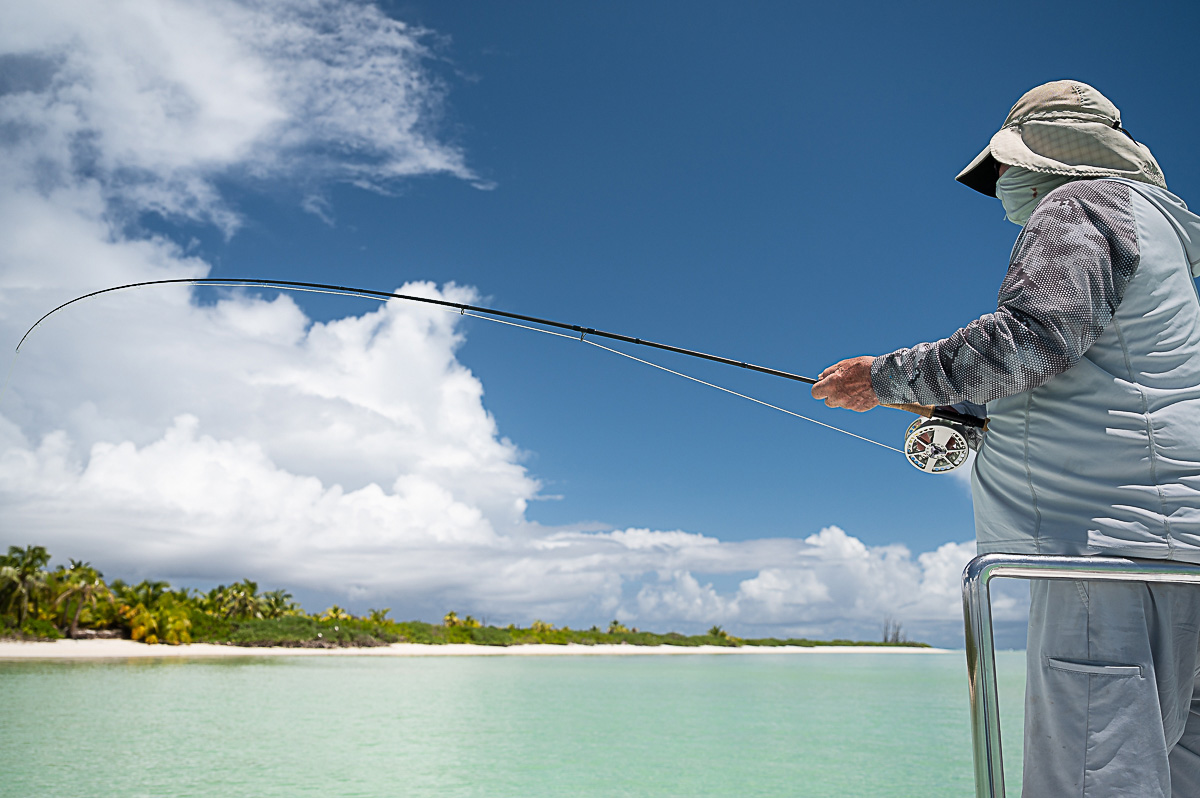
(981, 660)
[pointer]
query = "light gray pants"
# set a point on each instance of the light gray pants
(1111, 705)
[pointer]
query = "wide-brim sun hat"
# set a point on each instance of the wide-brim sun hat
(1063, 128)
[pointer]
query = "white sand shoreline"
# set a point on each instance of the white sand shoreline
(128, 649)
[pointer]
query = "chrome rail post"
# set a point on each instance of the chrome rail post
(977, 617)
(981, 678)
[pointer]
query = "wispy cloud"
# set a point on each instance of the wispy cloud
(149, 104)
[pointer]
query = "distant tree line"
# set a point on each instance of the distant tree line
(74, 600)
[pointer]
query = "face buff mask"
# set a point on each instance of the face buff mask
(1020, 190)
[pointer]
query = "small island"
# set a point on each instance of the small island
(74, 601)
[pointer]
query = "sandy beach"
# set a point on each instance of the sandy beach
(128, 649)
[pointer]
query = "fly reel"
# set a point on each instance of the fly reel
(935, 445)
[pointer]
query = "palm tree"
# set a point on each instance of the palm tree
(335, 613)
(146, 593)
(241, 600)
(85, 584)
(173, 621)
(278, 603)
(379, 616)
(143, 624)
(24, 572)
(210, 602)
(138, 605)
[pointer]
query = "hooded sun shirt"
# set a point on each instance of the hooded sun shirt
(1020, 191)
(1090, 368)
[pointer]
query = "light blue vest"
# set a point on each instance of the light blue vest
(1105, 457)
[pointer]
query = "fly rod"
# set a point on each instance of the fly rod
(460, 306)
(934, 440)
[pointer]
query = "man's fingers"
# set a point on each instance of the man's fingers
(826, 387)
(847, 384)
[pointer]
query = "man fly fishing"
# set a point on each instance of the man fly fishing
(1090, 370)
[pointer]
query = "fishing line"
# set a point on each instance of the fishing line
(695, 379)
(472, 315)
(744, 396)
(928, 445)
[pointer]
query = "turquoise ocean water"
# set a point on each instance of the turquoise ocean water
(823, 724)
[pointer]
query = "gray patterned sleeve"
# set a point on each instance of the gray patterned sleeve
(1067, 276)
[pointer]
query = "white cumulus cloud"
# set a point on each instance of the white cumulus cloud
(157, 435)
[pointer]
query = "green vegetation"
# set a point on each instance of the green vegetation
(75, 601)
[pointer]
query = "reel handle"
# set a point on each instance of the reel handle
(925, 411)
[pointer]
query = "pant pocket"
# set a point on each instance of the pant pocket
(1093, 668)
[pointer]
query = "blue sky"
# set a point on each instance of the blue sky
(772, 183)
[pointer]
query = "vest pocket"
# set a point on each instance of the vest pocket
(1093, 668)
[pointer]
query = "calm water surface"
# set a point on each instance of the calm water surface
(763, 725)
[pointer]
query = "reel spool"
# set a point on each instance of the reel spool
(935, 446)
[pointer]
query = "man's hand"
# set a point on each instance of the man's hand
(847, 384)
